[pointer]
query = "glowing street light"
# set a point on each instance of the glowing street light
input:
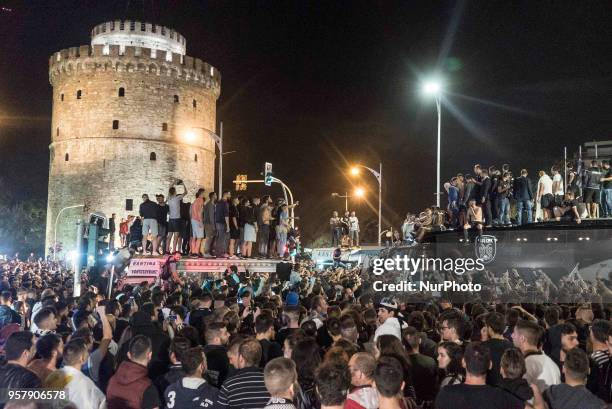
(434, 88)
(378, 175)
(191, 136)
(359, 192)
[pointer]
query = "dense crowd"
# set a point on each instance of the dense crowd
(210, 226)
(495, 197)
(317, 340)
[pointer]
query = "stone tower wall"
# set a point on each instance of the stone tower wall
(165, 115)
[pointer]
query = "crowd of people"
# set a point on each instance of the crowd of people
(210, 226)
(495, 197)
(320, 339)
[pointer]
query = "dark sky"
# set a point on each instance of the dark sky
(315, 85)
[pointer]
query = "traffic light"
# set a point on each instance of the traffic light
(268, 174)
(241, 182)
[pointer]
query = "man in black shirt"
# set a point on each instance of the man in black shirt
(264, 332)
(485, 197)
(216, 353)
(606, 192)
(148, 212)
(475, 393)
(424, 368)
(19, 350)
(495, 323)
(524, 197)
(162, 220)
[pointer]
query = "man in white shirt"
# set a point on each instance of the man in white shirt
(80, 389)
(541, 370)
(353, 230)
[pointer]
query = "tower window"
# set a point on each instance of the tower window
(132, 26)
(122, 92)
(164, 126)
(115, 124)
(121, 26)
(143, 27)
(152, 156)
(195, 157)
(79, 93)
(61, 97)
(66, 157)
(176, 99)
(57, 131)
(129, 204)
(195, 103)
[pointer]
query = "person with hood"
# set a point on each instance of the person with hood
(573, 394)
(130, 387)
(145, 323)
(512, 369)
(387, 317)
(192, 391)
(562, 338)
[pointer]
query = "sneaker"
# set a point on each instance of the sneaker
(207, 255)
(223, 256)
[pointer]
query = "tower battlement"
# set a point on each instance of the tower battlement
(130, 32)
(74, 60)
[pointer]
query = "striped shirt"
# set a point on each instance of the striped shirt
(245, 390)
(601, 357)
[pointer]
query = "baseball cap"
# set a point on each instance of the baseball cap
(389, 303)
(292, 299)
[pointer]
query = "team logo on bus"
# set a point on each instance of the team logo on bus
(485, 247)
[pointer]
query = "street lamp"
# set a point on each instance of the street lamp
(55, 228)
(358, 193)
(191, 136)
(434, 88)
(378, 175)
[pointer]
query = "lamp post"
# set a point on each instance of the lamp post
(358, 193)
(55, 228)
(219, 141)
(378, 176)
(434, 88)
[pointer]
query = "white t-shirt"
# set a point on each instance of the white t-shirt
(558, 178)
(81, 390)
(354, 223)
(542, 371)
(546, 181)
(174, 206)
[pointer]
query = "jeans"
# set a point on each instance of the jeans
(263, 236)
(336, 236)
(504, 210)
(606, 201)
(281, 241)
(488, 214)
(221, 241)
(528, 205)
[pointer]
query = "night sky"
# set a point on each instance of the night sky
(313, 86)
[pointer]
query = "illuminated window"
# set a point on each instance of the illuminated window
(115, 124)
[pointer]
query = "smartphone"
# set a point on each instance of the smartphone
(172, 317)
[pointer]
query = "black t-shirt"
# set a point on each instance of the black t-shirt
(497, 347)
(283, 333)
(269, 351)
(608, 183)
(217, 363)
(464, 396)
(150, 398)
(162, 214)
(233, 213)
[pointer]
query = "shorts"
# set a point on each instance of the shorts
(162, 229)
(149, 226)
(175, 226)
(234, 234)
(591, 195)
(547, 201)
(197, 229)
